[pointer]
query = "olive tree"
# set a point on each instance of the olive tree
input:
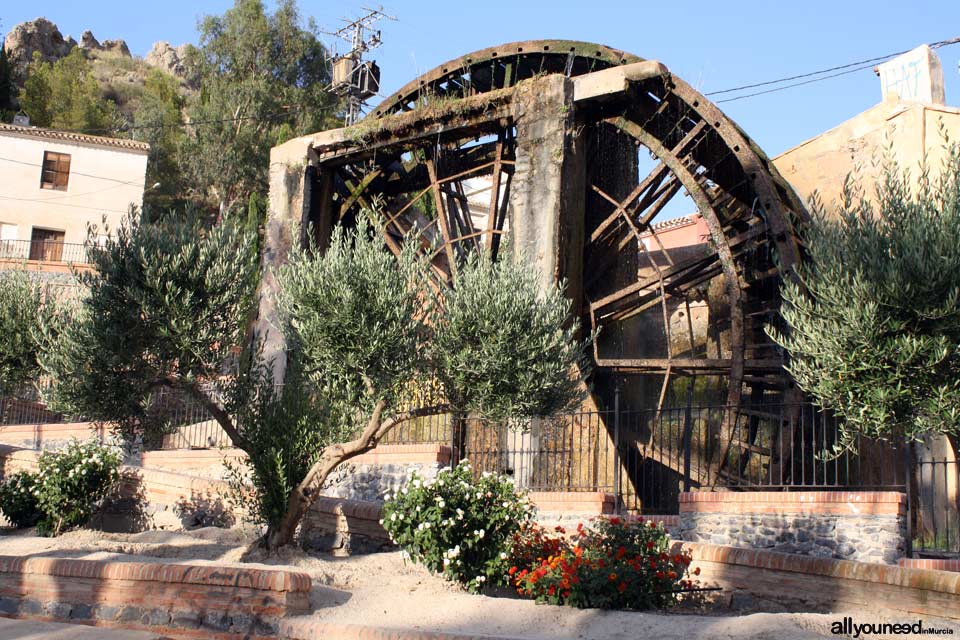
(368, 324)
(873, 319)
(168, 304)
(22, 310)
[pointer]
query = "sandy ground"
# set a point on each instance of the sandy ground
(384, 590)
(37, 630)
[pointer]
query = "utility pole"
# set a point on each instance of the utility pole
(354, 78)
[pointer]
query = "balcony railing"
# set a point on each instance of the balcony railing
(43, 251)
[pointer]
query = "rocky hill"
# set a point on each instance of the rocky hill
(120, 74)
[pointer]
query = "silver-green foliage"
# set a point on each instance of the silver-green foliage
(367, 323)
(874, 319)
(22, 309)
(166, 304)
(357, 315)
(503, 345)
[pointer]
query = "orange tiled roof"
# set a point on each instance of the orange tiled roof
(71, 136)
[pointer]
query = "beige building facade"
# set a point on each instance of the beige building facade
(53, 184)
(911, 126)
(907, 132)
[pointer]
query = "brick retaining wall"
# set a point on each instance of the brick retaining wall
(938, 564)
(188, 601)
(41, 436)
(868, 526)
(827, 584)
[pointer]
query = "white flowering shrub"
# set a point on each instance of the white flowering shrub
(18, 499)
(456, 525)
(72, 482)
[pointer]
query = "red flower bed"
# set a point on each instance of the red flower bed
(612, 564)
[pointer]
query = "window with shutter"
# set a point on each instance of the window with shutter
(56, 171)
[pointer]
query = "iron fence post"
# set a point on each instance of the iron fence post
(908, 482)
(616, 446)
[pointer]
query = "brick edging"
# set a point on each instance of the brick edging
(206, 575)
(936, 564)
(840, 503)
(788, 497)
(926, 579)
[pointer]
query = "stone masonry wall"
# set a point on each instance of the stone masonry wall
(861, 526)
(371, 482)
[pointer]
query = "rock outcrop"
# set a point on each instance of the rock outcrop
(43, 36)
(38, 35)
(116, 46)
(168, 58)
(90, 43)
(87, 41)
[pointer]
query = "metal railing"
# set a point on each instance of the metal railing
(647, 458)
(44, 250)
(936, 507)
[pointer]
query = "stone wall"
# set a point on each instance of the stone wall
(867, 526)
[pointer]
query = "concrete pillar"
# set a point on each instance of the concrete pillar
(547, 191)
(290, 183)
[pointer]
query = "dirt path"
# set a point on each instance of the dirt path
(384, 590)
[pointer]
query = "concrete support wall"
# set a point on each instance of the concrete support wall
(547, 193)
(290, 182)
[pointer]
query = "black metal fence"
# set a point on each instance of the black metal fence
(936, 508)
(182, 422)
(44, 250)
(647, 458)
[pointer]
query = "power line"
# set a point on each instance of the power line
(860, 65)
(64, 204)
(77, 173)
(796, 84)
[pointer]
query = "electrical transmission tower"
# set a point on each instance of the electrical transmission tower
(354, 78)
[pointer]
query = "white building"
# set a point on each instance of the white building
(54, 183)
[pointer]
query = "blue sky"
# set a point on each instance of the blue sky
(713, 46)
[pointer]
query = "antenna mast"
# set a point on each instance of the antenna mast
(354, 78)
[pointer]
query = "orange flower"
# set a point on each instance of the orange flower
(552, 590)
(613, 577)
(660, 574)
(512, 571)
(559, 529)
(696, 571)
(671, 574)
(621, 552)
(622, 587)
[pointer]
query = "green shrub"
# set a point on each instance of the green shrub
(72, 482)
(614, 564)
(18, 499)
(457, 525)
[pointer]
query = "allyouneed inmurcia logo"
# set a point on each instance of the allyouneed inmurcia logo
(848, 627)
